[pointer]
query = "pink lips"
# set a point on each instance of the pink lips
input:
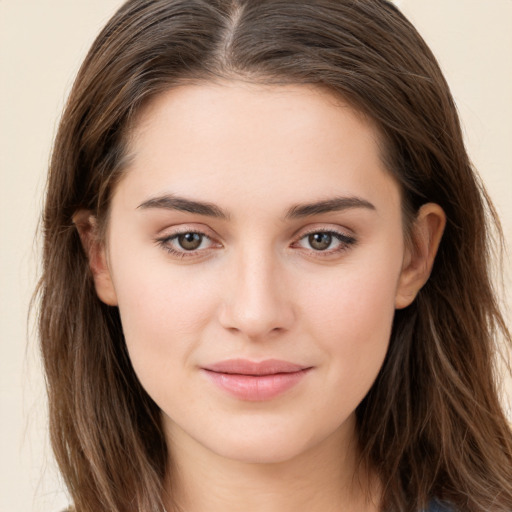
(255, 381)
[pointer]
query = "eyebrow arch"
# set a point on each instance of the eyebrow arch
(173, 202)
(329, 205)
(182, 204)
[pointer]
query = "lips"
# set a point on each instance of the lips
(255, 381)
(245, 367)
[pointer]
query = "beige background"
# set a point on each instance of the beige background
(41, 45)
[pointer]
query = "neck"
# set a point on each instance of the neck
(326, 478)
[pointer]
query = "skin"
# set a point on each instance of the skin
(256, 287)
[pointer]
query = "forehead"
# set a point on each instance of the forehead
(234, 139)
(213, 108)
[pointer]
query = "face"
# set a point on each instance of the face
(256, 253)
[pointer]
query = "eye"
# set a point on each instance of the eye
(326, 241)
(186, 243)
(190, 241)
(320, 241)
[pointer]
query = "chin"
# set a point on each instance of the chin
(261, 445)
(265, 452)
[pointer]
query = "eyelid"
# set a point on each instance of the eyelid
(164, 239)
(325, 228)
(344, 236)
(345, 239)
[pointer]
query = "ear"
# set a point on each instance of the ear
(419, 258)
(87, 227)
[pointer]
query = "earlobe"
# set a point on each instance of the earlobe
(419, 259)
(86, 225)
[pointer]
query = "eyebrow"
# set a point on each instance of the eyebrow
(173, 202)
(335, 204)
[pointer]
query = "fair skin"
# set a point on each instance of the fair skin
(261, 275)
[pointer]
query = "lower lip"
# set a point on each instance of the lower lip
(256, 388)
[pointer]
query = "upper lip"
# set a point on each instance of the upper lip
(246, 367)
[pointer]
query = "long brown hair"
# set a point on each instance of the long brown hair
(432, 425)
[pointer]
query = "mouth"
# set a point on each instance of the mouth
(255, 381)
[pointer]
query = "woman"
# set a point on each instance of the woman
(266, 269)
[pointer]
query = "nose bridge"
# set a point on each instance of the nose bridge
(257, 303)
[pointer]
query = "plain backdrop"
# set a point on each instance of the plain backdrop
(42, 43)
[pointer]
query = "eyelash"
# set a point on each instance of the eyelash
(345, 241)
(165, 241)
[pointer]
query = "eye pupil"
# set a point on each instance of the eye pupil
(320, 241)
(190, 241)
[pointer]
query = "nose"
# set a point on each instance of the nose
(257, 303)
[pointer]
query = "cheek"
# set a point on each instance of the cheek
(162, 313)
(350, 319)
(355, 302)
